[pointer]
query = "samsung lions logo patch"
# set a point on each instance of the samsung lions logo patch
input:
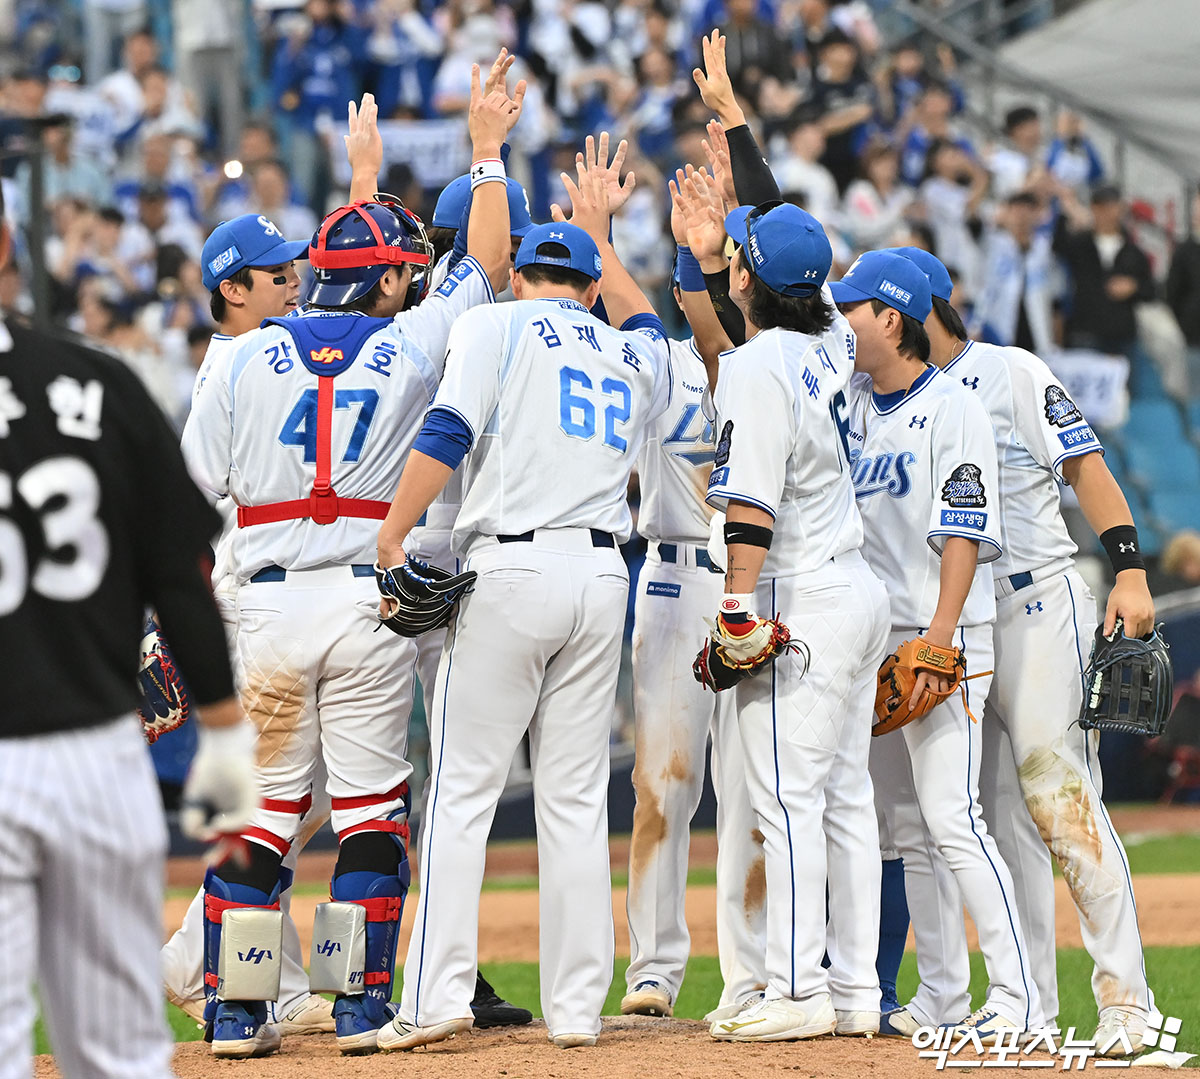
(1060, 409)
(964, 488)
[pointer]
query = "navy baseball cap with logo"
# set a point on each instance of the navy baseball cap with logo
(932, 267)
(787, 246)
(582, 253)
(249, 240)
(456, 197)
(884, 275)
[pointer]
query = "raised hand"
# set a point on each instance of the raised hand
(716, 89)
(493, 114)
(595, 159)
(589, 201)
(364, 147)
(694, 196)
(716, 147)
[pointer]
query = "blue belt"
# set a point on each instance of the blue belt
(277, 573)
(669, 552)
(599, 538)
(1020, 580)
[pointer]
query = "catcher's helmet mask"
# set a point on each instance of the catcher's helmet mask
(355, 246)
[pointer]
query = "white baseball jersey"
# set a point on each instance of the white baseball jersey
(268, 451)
(1037, 427)
(597, 389)
(676, 462)
(924, 469)
(782, 445)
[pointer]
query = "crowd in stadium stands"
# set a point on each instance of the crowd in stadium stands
(174, 114)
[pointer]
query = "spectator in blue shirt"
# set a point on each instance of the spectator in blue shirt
(931, 121)
(1072, 158)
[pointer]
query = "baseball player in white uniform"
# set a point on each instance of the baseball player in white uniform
(678, 588)
(793, 536)
(256, 282)
(1044, 625)
(327, 403)
(553, 406)
(924, 470)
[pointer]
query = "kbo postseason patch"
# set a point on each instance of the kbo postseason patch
(1060, 409)
(964, 488)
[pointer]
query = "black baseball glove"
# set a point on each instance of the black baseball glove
(420, 597)
(1128, 684)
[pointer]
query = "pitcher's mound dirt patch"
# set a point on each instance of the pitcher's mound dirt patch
(628, 1046)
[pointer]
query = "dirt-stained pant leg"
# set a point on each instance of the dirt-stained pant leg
(1043, 639)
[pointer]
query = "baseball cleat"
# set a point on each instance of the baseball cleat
(888, 1001)
(313, 1015)
(491, 1010)
(857, 1024)
(779, 1020)
(988, 1025)
(572, 1041)
(1120, 1033)
(400, 1034)
(728, 1011)
(357, 1023)
(239, 1032)
(647, 998)
(898, 1023)
(193, 1008)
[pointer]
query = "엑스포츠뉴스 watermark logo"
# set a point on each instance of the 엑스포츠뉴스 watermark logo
(1048, 1047)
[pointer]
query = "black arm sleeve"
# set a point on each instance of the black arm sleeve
(731, 318)
(752, 179)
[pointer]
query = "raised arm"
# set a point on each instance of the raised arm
(364, 148)
(591, 211)
(699, 231)
(490, 118)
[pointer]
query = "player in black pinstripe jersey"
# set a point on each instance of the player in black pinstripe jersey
(98, 519)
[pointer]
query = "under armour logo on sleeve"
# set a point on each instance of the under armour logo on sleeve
(918, 423)
(971, 384)
(1126, 548)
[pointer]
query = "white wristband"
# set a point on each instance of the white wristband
(735, 603)
(487, 170)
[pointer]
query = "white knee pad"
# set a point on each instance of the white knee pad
(339, 948)
(251, 954)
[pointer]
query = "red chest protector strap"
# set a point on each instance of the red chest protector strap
(323, 505)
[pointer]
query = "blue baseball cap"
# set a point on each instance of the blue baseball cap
(787, 246)
(582, 253)
(887, 276)
(447, 214)
(249, 240)
(932, 267)
(452, 203)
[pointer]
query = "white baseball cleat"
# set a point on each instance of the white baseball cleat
(857, 1024)
(647, 998)
(399, 1034)
(779, 1020)
(192, 1007)
(572, 1041)
(1115, 1022)
(988, 1024)
(728, 1011)
(313, 1015)
(898, 1023)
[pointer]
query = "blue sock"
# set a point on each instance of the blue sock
(893, 925)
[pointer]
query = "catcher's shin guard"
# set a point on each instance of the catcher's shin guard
(260, 951)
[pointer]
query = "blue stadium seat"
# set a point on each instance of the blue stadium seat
(1193, 415)
(1174, 467)
(1148, 533)
(1176, 509)
(1156, 422)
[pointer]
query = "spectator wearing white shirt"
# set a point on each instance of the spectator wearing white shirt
(270, 196)
(1073, 159)
(1015, 301)
(1015, 163)
(210, 61)
(952, 194)
(798, 170)
(875, 204)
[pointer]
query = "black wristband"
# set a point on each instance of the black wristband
(751, 535)
(1121, 544)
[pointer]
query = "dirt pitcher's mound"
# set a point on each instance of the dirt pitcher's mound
(629, 1046)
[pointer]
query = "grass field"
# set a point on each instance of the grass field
(1173, 972)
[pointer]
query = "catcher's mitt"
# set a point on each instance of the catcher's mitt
(163, 699)
(420, 597)
(1128, 684)
(898, 676)
(739, 650)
